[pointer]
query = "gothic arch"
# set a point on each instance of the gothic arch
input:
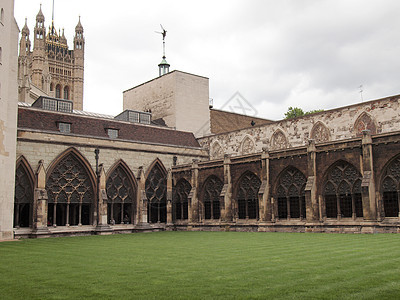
(71, 189)
(216, 150)
(180, 199)
(247, 196)
(289, 194)
(23, 196)
(320, 132)
(156, 192)
(121, 187)
(364, 122)
(211, 191)
(278, 140)
(342, 191)
(247, 146)
(390, 187)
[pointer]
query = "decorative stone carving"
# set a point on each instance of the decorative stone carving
(364, 122)
(156, 193)
(211, 201)
(248, 146)
(320, 133)
(216, 151)
(278, 140)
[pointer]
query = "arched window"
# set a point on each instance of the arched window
(70, 192)
(66, 92)
(120, 196)
(290, 194)
(23, 199)
(58, 91)
(51, 87)
(211, 192)
(181, 193)
(391, 188)
(342, 191)
(156, 192)
(247, 196)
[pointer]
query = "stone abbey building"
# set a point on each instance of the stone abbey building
(171, 162)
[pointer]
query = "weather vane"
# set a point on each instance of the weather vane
(164, 34)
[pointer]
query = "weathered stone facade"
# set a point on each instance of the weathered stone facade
(378, 116)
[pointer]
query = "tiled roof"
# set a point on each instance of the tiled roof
(96, 125)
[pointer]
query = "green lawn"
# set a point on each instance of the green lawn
(203, 265)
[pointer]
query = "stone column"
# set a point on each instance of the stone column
(142, 200)
(169, 198)
(312, 207)
(264, 198)
(368, 184)
(226, 193)
(40, 202)
(102, 226)
(193, 197)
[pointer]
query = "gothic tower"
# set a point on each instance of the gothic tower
(51, 69)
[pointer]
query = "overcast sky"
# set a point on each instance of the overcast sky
(312, 54)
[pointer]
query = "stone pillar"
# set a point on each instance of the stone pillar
(368, 183)
(264, 198)
(312, 207)
(142, 200)
(226, 193)
(193, 197)
(169, 198)
(40, 202)
(102, 226)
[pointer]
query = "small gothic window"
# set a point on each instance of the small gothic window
(290, 194)
(58, 91)
(342, 192)
(181, 193)
(23, 199)
(70, 192)
(156, 192)
(120, 197)
(211, 201)
(247, 197)
(66, 92)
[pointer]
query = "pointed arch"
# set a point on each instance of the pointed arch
(390, 187)
(364, 122)
(156, 192)
(289, 192)
(247, 196)
(121, 187)
(23, 196)
(216, 150)
(247, 145)
(71, 189)
(279, 140)
(211, 192)
(342, 191)
(320, 132)
(180, 199)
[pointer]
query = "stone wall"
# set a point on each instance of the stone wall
(378, 116)
(8, 116)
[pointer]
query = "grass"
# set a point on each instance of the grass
(203, 265)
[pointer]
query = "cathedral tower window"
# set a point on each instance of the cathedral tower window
(66, 92)
(181, 193)
(58, 91)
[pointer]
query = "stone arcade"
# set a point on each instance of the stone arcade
(170, 162)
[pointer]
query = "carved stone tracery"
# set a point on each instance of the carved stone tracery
(156, 193)
(211, 201)
(247, 146)
(181, 193)
(320, 133)
(278, 140)
(248, 196)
